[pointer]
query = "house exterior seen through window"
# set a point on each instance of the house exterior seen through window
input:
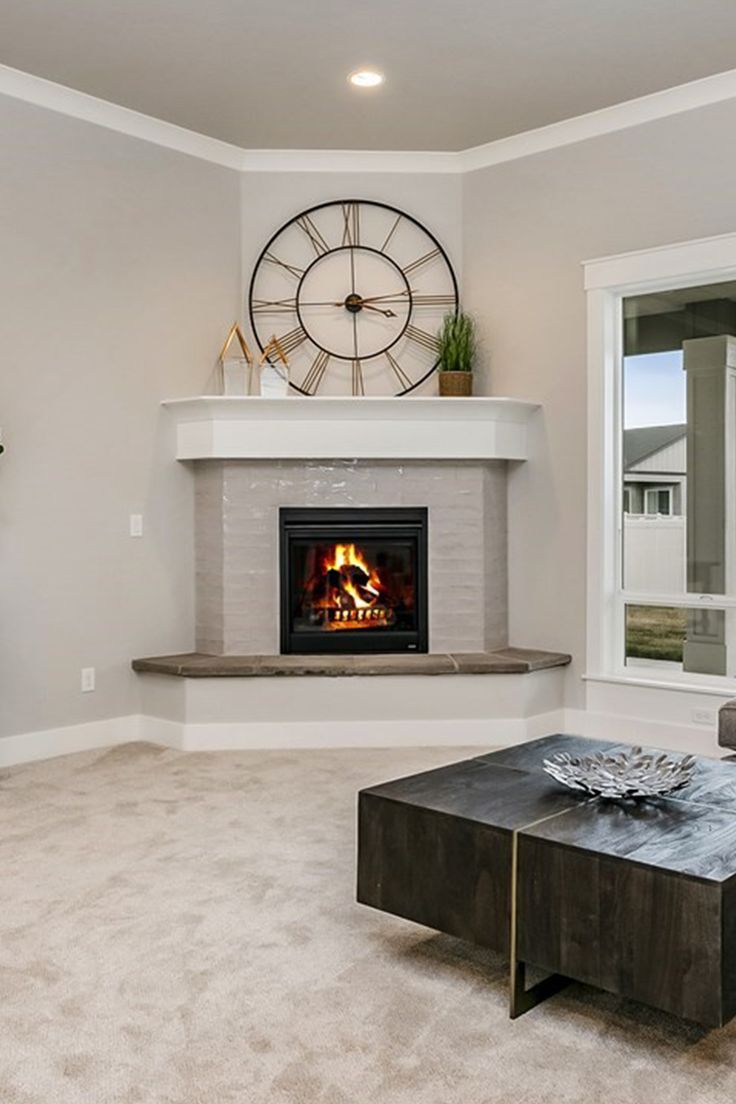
(678, 461)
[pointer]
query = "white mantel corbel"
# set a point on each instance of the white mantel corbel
(228, 427)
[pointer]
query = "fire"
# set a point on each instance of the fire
(344, 559)
(349, 591)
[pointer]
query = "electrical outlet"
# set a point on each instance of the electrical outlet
(88, 680)
(136, 525)
(704, 716)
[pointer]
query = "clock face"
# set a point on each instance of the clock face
(355, 292)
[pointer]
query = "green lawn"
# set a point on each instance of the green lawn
(655, 632)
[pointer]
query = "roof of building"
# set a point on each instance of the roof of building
(646, 440)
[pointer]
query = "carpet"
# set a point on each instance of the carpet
(181, 929)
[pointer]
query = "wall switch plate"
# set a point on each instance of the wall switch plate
(136, 525)
(88, 680)
(704, 716)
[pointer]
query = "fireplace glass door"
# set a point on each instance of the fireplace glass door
(353, 580)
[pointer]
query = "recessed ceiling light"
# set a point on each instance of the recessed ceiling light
(366, 78)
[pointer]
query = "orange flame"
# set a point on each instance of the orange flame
(346, 556)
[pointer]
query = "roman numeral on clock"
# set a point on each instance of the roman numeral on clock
(420, 261)
(313, 378)
(358, 382)
(293, 339)
(319, 244)
(351, 224)
(297, 273)
(421, 337)
(391, 233)
(274, 306)
(401, 376)
(432, 300)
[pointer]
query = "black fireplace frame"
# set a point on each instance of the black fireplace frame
(351, 523)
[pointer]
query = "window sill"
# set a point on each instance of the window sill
(725, 689)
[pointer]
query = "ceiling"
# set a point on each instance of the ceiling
(271, 74)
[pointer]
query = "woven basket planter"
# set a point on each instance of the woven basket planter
(456, 384)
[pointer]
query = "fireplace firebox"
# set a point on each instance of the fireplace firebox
(353, 580)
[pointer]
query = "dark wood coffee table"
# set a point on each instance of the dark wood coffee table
(636, 898)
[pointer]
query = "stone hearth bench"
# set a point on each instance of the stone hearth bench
(503, 661)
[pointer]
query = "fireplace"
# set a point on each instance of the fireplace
(353, 580)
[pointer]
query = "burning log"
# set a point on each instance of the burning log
(346, 592)
(356, 575)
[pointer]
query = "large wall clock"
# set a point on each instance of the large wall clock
(355, 291)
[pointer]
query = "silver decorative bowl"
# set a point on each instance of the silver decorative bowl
(632, 774)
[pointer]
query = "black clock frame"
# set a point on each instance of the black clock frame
(339, 249)
(318, 260)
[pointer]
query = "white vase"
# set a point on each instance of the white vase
(274, 381)
(235, 375)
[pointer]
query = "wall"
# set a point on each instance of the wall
(119, 274)
(528, 225)
(121, 266)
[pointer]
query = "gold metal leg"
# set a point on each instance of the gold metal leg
(521, 999)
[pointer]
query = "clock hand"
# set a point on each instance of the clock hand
(321, 303)
(358, 303)
(378, 310)
(395, 295)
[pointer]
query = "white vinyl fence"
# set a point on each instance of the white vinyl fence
(654, 553)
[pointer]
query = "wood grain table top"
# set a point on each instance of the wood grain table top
(692, 834)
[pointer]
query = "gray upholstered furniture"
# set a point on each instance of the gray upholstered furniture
(727, 725)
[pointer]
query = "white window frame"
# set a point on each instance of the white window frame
(608, 281)
(657, 490)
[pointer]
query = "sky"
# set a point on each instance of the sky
(654, 390)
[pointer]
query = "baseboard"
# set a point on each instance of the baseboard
(29, 747)
(259, 736)
(668, 735)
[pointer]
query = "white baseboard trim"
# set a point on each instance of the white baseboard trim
(30, 747)
(257, 736)
(692, 739)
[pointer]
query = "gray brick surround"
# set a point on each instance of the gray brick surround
(236, 543)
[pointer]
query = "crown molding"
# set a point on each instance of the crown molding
(79, 105)
(631, 113)
(699, 260)
(386, 161)
(644, 109)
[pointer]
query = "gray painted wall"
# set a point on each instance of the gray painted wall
(528, 226)
(120, 269)
(119, 274)
(121, 266)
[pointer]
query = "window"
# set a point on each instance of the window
(662, 517)
(658, 500)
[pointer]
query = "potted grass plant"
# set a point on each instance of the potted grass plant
(456, 352)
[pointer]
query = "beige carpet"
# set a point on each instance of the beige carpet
(180, 929)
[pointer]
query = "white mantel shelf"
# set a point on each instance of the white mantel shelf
(224, 427)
